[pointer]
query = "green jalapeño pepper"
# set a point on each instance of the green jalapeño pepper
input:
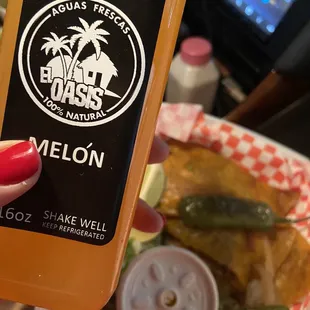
(207, 212)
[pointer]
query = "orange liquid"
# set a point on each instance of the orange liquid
(56, 273)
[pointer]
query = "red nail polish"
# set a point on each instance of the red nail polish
(18, 163)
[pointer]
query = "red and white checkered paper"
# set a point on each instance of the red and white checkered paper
(264, 159)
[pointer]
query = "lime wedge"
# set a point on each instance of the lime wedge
(153, 187)
(141, 236)
(153, 184)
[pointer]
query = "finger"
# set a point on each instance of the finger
(148, 219)
(159, 151)
(20, 168)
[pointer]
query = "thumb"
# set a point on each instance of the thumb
(20, 168)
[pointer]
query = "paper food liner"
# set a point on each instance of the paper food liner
(261, 157)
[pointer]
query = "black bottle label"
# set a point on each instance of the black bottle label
(77, 89)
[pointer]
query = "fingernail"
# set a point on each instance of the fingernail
(18, 163)
(163, 218)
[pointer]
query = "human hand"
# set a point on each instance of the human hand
(20, 168)
(146, 218)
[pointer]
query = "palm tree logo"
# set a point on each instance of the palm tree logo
(58, 45)
(87, 34)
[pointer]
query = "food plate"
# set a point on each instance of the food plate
(264, 159)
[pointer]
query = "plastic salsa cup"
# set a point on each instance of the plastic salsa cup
(167, 278)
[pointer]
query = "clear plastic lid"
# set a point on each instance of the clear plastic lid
(167, 278)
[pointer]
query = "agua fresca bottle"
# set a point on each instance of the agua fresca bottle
(82, 80)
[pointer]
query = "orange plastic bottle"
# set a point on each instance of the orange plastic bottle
(84, 81)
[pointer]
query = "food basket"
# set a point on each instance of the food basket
(263, 158)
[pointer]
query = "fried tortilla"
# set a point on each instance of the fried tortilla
(293, 277)
(191, 170)
(223, 247)
(290, 255)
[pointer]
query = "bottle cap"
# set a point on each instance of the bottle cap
(167, 278)
(196, 51)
